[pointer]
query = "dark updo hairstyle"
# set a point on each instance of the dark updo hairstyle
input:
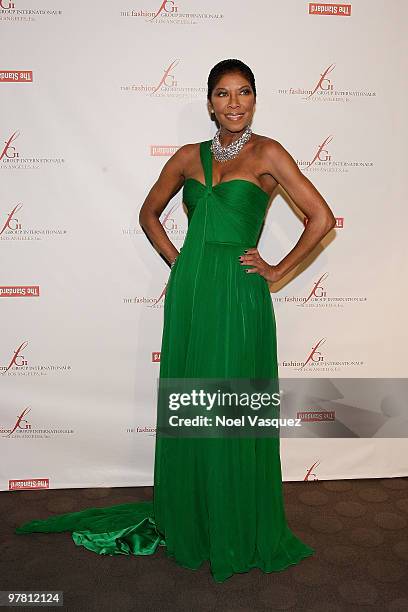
(225, 67)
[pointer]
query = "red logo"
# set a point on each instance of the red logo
(16, 225)
(168, 6)
(19, 291)
(324, 84)
(317, 290)
(7, 4)
(23, 429)
(168, 79)
(322, 154)
(314, 354)
(17, 360)
(18, 423)
(167, 217)
(338, 10)
(309, 472)
(16, 76)
(163, 150)
(31, 483)
(325, 89)
(316, 416)
(8, 148)
(168, 13)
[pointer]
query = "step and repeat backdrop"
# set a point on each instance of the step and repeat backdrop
(95, 98)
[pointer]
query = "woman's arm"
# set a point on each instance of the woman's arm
(170, 181)
(321, 220)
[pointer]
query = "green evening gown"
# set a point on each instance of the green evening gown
(216, 499)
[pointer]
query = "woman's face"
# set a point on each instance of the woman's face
(233, 102)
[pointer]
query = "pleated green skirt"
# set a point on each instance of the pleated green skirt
(216, 499)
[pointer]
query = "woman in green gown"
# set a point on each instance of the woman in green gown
(215, 498)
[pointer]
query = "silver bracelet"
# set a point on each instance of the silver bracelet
(173, 262)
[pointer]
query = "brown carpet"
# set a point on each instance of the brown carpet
(359, 529)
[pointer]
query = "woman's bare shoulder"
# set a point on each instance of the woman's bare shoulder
(190, 148)
(188, 151)
(268, 144)
(189, 156)
(272, 151)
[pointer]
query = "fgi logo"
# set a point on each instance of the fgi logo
(324, 83)
(168, 79)
(21, 423)
(315, 355)
(167, 6)
(167, 220)
(17, 359)
(322, 154)
(317, 291)
(310, 475)
(8, 150)
(11, 221)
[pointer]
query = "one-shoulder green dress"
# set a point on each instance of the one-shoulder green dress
(216, 499)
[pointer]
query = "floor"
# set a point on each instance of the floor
(359, 529)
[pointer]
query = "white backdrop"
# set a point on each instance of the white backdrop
(95, 97)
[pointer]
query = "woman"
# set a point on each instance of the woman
(215, 498)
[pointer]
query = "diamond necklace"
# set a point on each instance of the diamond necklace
(230, 151)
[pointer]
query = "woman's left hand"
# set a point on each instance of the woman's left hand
(253, 258)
